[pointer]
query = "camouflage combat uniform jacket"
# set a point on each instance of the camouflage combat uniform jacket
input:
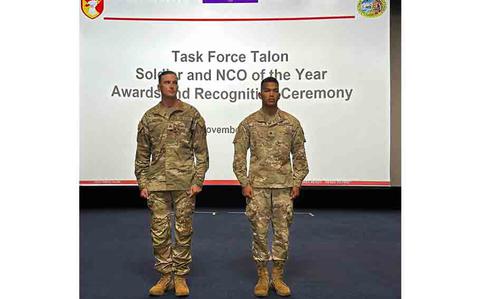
(167, 141)
(270, 143)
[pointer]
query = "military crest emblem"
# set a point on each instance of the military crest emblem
(371, 8)
(92, 8)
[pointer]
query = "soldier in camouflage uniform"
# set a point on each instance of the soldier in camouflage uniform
(170, 165)
(271, 184)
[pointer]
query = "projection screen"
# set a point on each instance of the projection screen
(331, 58)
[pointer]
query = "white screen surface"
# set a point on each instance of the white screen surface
(343, 104)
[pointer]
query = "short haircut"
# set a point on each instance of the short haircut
(166, 73)
(268, 80)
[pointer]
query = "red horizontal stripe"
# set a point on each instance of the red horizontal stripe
(235, 182)
(228, 19)
(220, 182)
(347, 183)
(108, 182)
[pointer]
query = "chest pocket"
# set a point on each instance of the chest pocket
(157, 133)
(259, 136)
(181, 128)
(284, 139)
(284, 133)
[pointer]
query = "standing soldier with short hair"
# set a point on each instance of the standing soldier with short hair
(170, 166)
(271, 184)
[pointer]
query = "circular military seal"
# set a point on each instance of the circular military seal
(371, 8)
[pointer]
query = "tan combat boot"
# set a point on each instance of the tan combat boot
(165, 283)
(261, 288)
(181, 288)
(277, 280)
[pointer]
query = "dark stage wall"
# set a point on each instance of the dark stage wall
(230, 197)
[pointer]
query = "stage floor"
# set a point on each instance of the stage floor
(333, 254)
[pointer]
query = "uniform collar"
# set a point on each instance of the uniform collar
(264, 118)
(165, 111)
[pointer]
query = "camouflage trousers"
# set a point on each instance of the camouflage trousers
(267, 206)
(168, 258)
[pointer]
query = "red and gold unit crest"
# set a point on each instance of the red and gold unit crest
(92, 8)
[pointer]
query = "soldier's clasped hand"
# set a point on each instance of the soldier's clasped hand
(144, 193)
(247, 191)
(194, 190)
(295, 192)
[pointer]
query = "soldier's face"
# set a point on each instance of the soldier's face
(270, 94)
(168, 85)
